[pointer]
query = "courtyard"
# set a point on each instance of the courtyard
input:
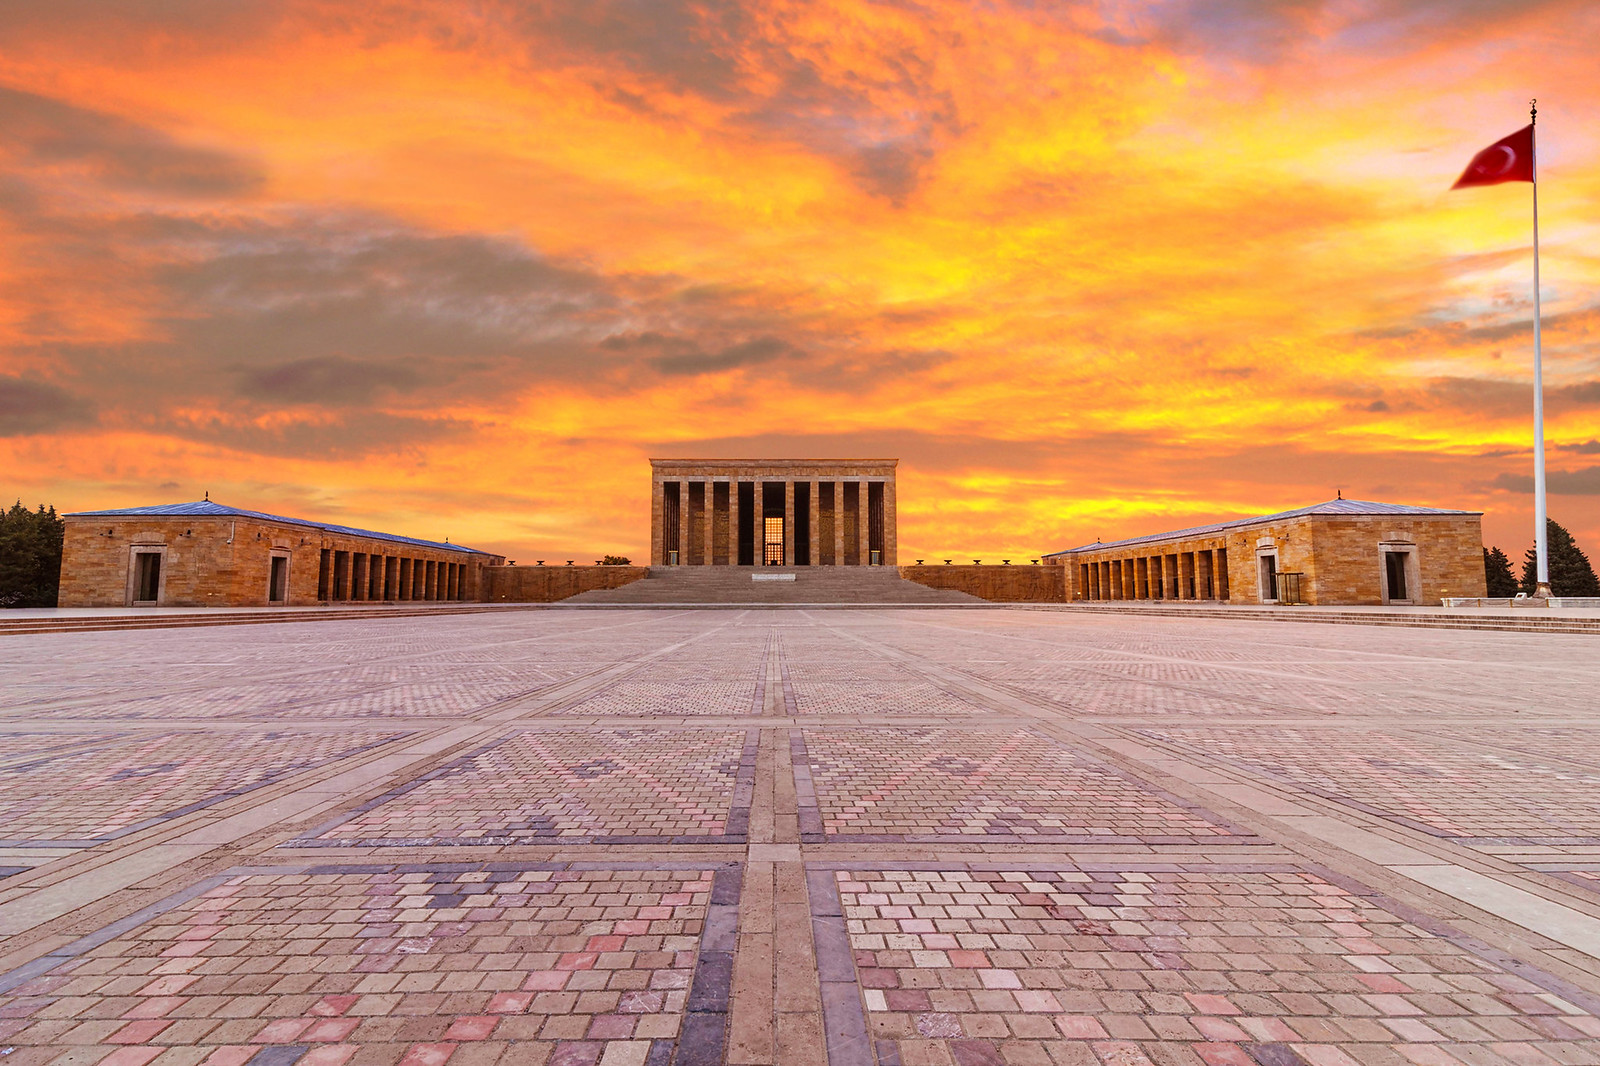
(833, 837)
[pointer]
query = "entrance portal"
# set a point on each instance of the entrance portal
(772, 542)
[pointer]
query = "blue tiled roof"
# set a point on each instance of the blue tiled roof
(1331, 507)
(211, 509)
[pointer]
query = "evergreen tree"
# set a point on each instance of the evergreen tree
(1570, 572)
(30, 556)
(1497, 574)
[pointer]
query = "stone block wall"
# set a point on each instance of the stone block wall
(547, 584)
(1002, 584)
(226, 562)
(1340, 558)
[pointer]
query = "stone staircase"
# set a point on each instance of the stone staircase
(734, 586)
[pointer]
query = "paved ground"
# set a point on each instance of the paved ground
(812, 837)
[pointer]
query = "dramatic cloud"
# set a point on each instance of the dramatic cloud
(29, 407)
(51, 135)
(1087, 268)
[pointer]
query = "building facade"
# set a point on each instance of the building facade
(773, 512)
(208, 554)
(1349, 552)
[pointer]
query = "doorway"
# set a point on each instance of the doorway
(146, 578)
(1268, 562)
(1397, 586)
(278, 580)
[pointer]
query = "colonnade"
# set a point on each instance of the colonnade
(789, 522)
(1198, 574)
(347, 576)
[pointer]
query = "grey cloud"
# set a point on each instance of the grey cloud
(356, 434)
(1267, 31)
(329, 380)
(29, 407)
(737, 356)
(50, 133)
(1588, 447)
(1585, 482)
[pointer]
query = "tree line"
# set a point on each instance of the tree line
(1570, 571)
(30, 556)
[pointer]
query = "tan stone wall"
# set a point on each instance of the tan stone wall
(220, 562)
(546, 584)
(1339, 556)
(1002, 584)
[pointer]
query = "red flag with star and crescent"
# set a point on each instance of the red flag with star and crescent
(1508, 159)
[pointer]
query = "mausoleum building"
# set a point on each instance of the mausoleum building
(1349, 552)
(772, 512)
(208, 554)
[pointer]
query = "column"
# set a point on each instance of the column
(1169, 565)
(814, 528)
(839, 524)
(1220, 568)
(891, 523)
(864, 522)
(657, 516)
(684, 522)
(788, 522)
(733, 521)
(709, 538)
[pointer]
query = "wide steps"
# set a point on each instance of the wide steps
(723, 585)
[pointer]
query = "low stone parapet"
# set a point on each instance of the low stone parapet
(999, 584)
(547, 584)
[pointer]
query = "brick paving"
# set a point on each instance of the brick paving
(827, 838)
(639, 785)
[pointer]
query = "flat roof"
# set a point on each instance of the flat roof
(1330, 507)
(212, 509)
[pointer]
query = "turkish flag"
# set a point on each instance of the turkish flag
(1508, 159)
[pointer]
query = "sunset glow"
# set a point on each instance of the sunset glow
(1089, 270)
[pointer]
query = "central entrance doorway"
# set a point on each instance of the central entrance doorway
(772, 542)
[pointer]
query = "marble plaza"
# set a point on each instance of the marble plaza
(832, 837)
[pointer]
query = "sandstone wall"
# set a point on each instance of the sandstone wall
(546, 584)
(226, 562)
(1002, 584)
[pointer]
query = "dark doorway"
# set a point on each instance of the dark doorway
(147, 577)
(747, 523)
(278, 580)
(1269, 578)
(1394, 564)
(802, 523)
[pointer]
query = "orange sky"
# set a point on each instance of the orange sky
(1088, 270)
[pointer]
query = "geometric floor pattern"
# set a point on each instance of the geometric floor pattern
(578, 786)
(1416, 779)
(108, 790)
(929, 784)
(845, 837)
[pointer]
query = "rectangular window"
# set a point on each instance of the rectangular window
(147, 577)
(278, 580)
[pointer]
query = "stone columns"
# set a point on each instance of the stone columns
(839, 524)
(814, 523)
(788, 522)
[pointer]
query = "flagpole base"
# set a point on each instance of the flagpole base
(1542, 592)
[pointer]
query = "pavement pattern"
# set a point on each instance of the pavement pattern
(1037, 837)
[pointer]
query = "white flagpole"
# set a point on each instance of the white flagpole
(1540, 534)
